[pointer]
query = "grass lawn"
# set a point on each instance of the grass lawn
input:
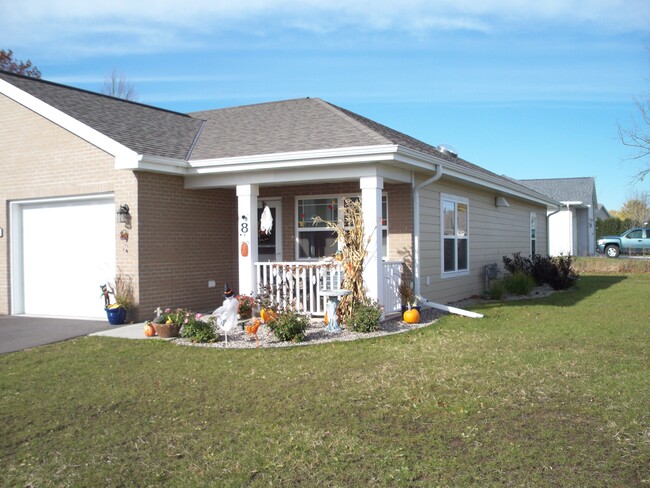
(550, 392)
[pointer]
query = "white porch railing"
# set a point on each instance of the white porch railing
(301, 283)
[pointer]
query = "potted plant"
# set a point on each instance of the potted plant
(168, 323)
(246, 304)
(122, 291)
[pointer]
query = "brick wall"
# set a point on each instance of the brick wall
(186, 238)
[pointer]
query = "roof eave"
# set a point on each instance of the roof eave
(122, 154)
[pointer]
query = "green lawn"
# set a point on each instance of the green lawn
(551, 392)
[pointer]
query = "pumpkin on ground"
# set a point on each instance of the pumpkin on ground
(149, 330)
(411, 316)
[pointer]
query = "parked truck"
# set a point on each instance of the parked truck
(633, 241)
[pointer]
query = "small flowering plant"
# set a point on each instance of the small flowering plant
(195, 326)
(246, 304)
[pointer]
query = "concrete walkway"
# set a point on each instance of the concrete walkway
(131, 331)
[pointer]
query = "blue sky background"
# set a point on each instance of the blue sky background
(530, 89)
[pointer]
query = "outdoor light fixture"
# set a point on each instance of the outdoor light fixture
(123, 214)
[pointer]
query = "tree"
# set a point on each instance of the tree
(117, 85)
(637, 208)
(638, 137)
(25, 68)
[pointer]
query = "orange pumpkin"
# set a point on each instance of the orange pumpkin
(149, 329)
(326, 319)
(411, 316)
(244, 249)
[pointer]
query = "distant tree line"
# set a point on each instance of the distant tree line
(612, 227)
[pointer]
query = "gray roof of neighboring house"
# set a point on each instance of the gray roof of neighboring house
(145, 129)
(565, 189)
(267, 128)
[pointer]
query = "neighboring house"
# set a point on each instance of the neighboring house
(572, 229)
(195, 186)
(602, 213)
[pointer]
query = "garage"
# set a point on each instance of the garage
(62, 250)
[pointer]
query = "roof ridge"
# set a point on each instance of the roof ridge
(90, 92)
(248, 105)
(362, 127)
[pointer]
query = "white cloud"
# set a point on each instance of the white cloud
(118, 27)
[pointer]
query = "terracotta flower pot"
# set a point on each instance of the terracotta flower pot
(167, 330)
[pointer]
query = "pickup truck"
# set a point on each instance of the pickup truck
(633, 241)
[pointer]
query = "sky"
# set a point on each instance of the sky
(525, 88)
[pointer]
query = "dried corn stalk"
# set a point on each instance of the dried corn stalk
(353, 250)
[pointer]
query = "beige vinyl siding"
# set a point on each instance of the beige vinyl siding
(493, 233)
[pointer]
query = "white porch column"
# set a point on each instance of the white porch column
(247, 232)
(373, 270)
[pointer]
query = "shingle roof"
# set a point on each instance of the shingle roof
(565, 189)
(276, 127)
(142, 128)
(299, 125)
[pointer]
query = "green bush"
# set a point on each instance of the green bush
(496, 290)
(519, 283)
(198, 330)
(364, 317)
(290, 325)
(557, 271)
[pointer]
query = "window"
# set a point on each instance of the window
(316, 240)
(533, 233)
(455, 235)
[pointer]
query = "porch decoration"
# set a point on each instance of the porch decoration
(226, 314)
(122, 291)
(168, 323)
(266, 221)
(411, 316)
(353, 249)
(246, 304)
(149, 329)
(251, 329)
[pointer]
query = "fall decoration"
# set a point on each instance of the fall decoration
(149, 330)
(411, 316)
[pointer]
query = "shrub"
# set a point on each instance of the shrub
(564, 275)
(198, 330)
(496, 290)
(517, 264)
(542, 269)
(519, 283)
(290, 325)
(364, 316)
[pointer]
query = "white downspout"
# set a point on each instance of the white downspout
(416, 248)
(416, 224)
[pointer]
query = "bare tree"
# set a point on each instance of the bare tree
(116, 84)
(638, 137)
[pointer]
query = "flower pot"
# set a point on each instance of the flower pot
(167, 330)
(116, 316)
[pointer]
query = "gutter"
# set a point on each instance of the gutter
(416, 223)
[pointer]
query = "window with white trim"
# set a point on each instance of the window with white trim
(533, 233)
(316, 240)
(454, 215)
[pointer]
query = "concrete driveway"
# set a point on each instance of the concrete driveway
(18, 332)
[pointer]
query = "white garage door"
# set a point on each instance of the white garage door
(68, 251)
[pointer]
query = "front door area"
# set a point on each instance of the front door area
(269, 244)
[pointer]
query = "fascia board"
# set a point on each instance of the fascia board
(311, 174)
(498, 185)
(155, 164)
(121, 153)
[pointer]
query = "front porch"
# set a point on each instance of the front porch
(300, 283)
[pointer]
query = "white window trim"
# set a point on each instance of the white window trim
(533, 218)
(339, 197)
(464, 272)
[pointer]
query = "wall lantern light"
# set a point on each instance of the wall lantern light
(123, 215)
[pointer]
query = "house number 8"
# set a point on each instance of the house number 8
(244, 228)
